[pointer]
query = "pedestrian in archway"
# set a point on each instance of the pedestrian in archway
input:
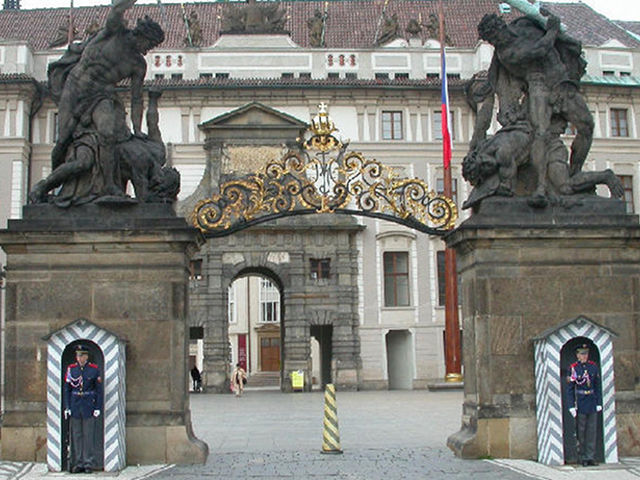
(585, 402)
(238, 380)
(197, 379)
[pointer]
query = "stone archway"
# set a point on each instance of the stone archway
(284, 253)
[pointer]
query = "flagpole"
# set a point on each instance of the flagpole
(452, 350)
(70, 31)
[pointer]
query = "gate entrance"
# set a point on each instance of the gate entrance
(264, 195)
(323, 335)
(399, 360)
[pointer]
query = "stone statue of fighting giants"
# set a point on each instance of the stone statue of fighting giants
(96, 154)
(535, 75)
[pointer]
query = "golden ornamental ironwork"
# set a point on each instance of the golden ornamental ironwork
(323, 177)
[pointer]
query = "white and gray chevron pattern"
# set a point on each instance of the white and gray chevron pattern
(549, 389)
(114, 392)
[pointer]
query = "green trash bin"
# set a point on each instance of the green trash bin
(297, 380)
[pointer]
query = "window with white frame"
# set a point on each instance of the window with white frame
(269, 302)
(437, 125)
(619, 124)
(392, 125)
(17, 188)
(454, 188)
(396, 279)
(627, 184)
(231, 304)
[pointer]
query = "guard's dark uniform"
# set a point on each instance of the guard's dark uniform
(83, 396)
(583, 394)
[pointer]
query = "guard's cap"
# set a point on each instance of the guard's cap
(81, 349)
(584, 348)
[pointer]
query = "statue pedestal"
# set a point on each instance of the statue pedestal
(124, 268)
(524, 271)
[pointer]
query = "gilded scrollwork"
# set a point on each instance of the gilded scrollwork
(323, 177)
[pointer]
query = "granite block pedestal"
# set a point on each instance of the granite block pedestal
(524, 271)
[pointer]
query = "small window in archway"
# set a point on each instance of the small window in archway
(195, 270)
(320, 268)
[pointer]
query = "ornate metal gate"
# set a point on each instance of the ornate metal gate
(323, 177)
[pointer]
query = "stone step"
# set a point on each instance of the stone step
(264, 379)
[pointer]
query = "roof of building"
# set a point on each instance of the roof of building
(350, 23)
(633, 27)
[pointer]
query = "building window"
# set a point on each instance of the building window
(56, 127)
(305, 74)
(619, 126)
(176, 76)
(320, 268)
(287, 75)
(396, 279)
(269, 302)
(333, 75)
(454, 188)
(433, 75)
(222, 75)
(442, 279)
(159, 76)
(231, 310)
(382, 76)
(392, 125)
(437, 125)
(453, 76)
(608, 73)
(625, 74)
(196, 333)
(195, 270)
(571, 129)
(627, 183)
(206, 75)
(351, 75)
(401, 76)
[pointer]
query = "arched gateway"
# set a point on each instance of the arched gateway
(315, 174)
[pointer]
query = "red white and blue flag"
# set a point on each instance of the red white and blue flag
(446, 117)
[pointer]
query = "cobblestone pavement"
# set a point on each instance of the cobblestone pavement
(384, 435)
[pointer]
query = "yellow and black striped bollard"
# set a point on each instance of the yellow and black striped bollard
(330, 433)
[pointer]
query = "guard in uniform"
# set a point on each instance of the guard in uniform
(584, 401)
(83, 404)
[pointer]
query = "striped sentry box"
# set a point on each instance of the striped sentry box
(549, 389)
(113, 350)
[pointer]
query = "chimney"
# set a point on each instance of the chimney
(12, 4)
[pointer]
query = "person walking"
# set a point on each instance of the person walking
(238, 380)
(82, 405)
(197, 379)
(584, 401)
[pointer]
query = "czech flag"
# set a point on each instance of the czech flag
(446, 117)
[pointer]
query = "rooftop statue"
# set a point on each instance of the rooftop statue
(390, 29)
(253, 18)
(535, 74)
(96, 154)
(316, 29)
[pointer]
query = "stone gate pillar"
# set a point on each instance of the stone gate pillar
(524, 271)
(124, 269)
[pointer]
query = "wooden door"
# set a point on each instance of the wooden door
(270, 354)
